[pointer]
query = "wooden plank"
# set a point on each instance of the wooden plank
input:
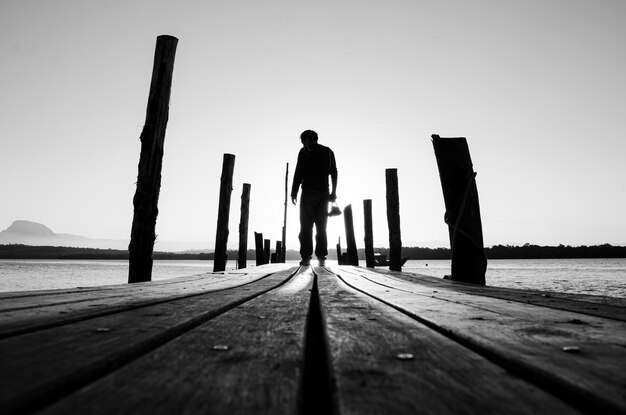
(369, 342)
(25, 299)
(258, 373)
(5, 295)
(600, 306)
(41, 298)
(29, 313)
(608, 307)
(41, 367)
(480, 299)
(524, 338)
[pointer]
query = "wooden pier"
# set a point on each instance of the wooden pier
(280, 339)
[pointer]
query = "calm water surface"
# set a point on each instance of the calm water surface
(583, 276)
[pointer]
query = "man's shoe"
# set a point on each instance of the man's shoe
(321, 262)
(305, 262)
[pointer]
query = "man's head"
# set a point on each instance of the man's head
(308, 137)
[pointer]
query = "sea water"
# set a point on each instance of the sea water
(605, 277)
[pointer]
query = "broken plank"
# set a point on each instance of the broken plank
(43, 366)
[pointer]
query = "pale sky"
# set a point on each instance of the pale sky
(537, 87)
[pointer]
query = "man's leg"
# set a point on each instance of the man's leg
(307, 218)
(321, 237)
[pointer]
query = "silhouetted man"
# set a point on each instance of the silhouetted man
(315, 163)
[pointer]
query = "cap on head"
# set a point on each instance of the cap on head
(309, 135)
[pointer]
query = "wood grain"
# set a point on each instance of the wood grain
(247, 360)
(281, 339)
(42, 366)
(370, 345)
(24, 313)
(601, 306)
(524, 338)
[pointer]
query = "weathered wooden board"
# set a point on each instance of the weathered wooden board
(22, 313)
(247, 360)
(299, 346)
(369, 342)
(609, 307)
(524, 338)
(41, 366)
(8, 299)
(468, 293)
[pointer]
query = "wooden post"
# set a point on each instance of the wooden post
(283, 251)
(369, 234)
(223, 213)
(275, 257)
(469, 263)
(266, 251)
(242, 256)
(339, 252)
(353, 256)
(258, 245)
(393, 220)
(146, 199)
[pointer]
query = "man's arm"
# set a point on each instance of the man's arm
(297, 179)
(333, 176)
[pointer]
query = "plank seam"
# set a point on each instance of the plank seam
(569, 393)
(428, 295)
(48, 394)
(483, 291)
(112, 310)
(9, 295)
(318, 390)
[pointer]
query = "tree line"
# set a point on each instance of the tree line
(526, 251)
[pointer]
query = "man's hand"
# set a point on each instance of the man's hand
(294, 200)
(332, 197)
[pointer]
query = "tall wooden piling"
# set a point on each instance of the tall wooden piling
(283, 250)
(242, 256)
(146, 199)
(258, 248)
(353, 256)
(221, 235)
(460, 194)
(369, 234)
(393, 220)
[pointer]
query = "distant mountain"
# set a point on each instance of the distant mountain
(32, 233)
(25, 232)
(24, 227)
